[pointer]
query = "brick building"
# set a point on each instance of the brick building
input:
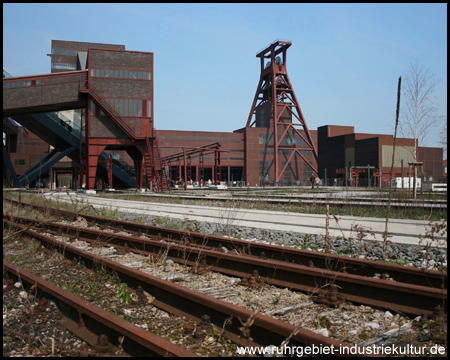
(94, 114)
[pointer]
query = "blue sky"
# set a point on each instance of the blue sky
(344, 62)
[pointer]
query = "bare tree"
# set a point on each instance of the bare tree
(420, 112)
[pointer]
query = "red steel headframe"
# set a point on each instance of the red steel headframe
(275, 87)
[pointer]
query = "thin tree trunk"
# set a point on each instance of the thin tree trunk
(386, 234)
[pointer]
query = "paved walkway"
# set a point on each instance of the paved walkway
(402, 231)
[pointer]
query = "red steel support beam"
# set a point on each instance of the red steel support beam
(275, 88)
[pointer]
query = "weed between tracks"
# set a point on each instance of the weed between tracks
(321, 321)
(302, 207)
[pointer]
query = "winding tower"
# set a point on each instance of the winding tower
(288, 141)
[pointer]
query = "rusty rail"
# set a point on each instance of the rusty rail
(362, 267)
(88, 321)
(392, 295)
(193, 305)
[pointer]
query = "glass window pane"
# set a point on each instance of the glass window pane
(149, 75)
(139, 108)
(121, 106)
(134, 74)
(121, 74)
(125, 75)
(116, 74)
(125, 107)
(149, 108)
(140, 75)
(134, 107)
(102, 72)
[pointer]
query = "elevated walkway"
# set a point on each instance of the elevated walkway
(43, 93)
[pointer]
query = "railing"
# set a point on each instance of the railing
(122, 164)
(63, 121)
(152, 175)
(165, 172)
(106, 106)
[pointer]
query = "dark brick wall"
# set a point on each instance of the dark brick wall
(121, 88)
(77, 46)
(54, 89)
(129, 60)
(139, 89)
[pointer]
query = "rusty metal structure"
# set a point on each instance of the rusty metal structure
(276, 107)
(112, 141)
(113, 88)
(91, 323)
(184, 159)
(194, 305)
(254, 272)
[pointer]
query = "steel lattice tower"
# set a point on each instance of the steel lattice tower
(285, 120)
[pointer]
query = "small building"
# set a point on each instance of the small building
(355, 159)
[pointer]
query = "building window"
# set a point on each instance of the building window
(130, 107)
(17, 84)
(19, 162)
(122, 74)
(67, 52)
(62, 66)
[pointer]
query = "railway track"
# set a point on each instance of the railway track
(369, 268)
(318, 200)
(99, 328)
(98, 239)
(392, 295)
(193, 305)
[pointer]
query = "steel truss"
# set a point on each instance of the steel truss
(276, 89)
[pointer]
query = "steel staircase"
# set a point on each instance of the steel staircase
(157, 176)
(160, 162)
(107, 108)
(155, 165)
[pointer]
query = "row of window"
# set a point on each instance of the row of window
(305, 153)
(18, 84)
(63, 66)
(126, 107)
(69, 52)
(121, 74)
(288, 139)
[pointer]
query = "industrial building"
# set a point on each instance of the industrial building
(89, 123)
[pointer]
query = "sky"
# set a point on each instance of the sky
(344, 62)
